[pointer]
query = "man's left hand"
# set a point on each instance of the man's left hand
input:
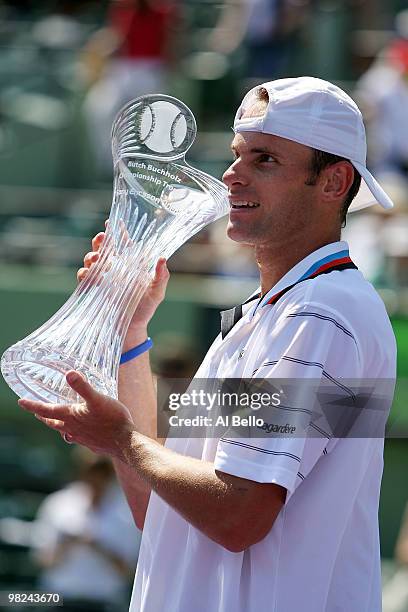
(101, 423)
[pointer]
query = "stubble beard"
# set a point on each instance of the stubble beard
(262, 233)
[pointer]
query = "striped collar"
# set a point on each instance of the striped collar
(318, 262)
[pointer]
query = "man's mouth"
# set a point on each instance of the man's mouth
(244, 204)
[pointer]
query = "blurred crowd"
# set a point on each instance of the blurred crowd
(84, 539)
(66, 69)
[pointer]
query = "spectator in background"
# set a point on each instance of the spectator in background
(266, 28)
(383, 94)
(272, 26)
(87, 542)
(395, 594)
(380, 238)
(127, 59)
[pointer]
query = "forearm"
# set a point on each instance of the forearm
(136, 490)
(217, 504)
(136, 387)
(137, 391)
(234, 512)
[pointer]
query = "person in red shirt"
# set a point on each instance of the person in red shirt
(143, 28)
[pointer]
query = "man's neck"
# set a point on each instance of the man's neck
(275, 261)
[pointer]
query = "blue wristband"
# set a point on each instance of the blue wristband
(136, 351)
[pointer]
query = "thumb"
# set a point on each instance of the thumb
(161, 267)
(161, 277)
(78, 383)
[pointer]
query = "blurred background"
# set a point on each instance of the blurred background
(66, 68)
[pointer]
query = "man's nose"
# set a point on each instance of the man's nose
(234, 174)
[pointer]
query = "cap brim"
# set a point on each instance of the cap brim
(370, 191)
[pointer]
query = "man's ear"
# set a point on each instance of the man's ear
(337, 180)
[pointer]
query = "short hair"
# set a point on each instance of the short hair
(262, 95)
(321, 160)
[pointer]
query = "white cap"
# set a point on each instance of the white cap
(320, 115)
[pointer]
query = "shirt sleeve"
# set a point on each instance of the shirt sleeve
(308, 348)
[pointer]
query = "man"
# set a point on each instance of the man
(395, 597)
(87, 544)
(271, 523)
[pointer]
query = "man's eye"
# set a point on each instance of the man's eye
(265, 157)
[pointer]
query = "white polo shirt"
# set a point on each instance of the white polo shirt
(322, 553)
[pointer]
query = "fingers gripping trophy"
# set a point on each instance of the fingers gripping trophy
(159, 202)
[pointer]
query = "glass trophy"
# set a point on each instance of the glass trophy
(159, 202)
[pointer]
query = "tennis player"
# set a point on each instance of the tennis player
(272, 523)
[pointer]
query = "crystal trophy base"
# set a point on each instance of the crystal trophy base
(33, 372)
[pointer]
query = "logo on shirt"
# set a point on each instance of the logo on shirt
(241, 353)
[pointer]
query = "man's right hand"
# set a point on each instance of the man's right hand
(149, 302)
